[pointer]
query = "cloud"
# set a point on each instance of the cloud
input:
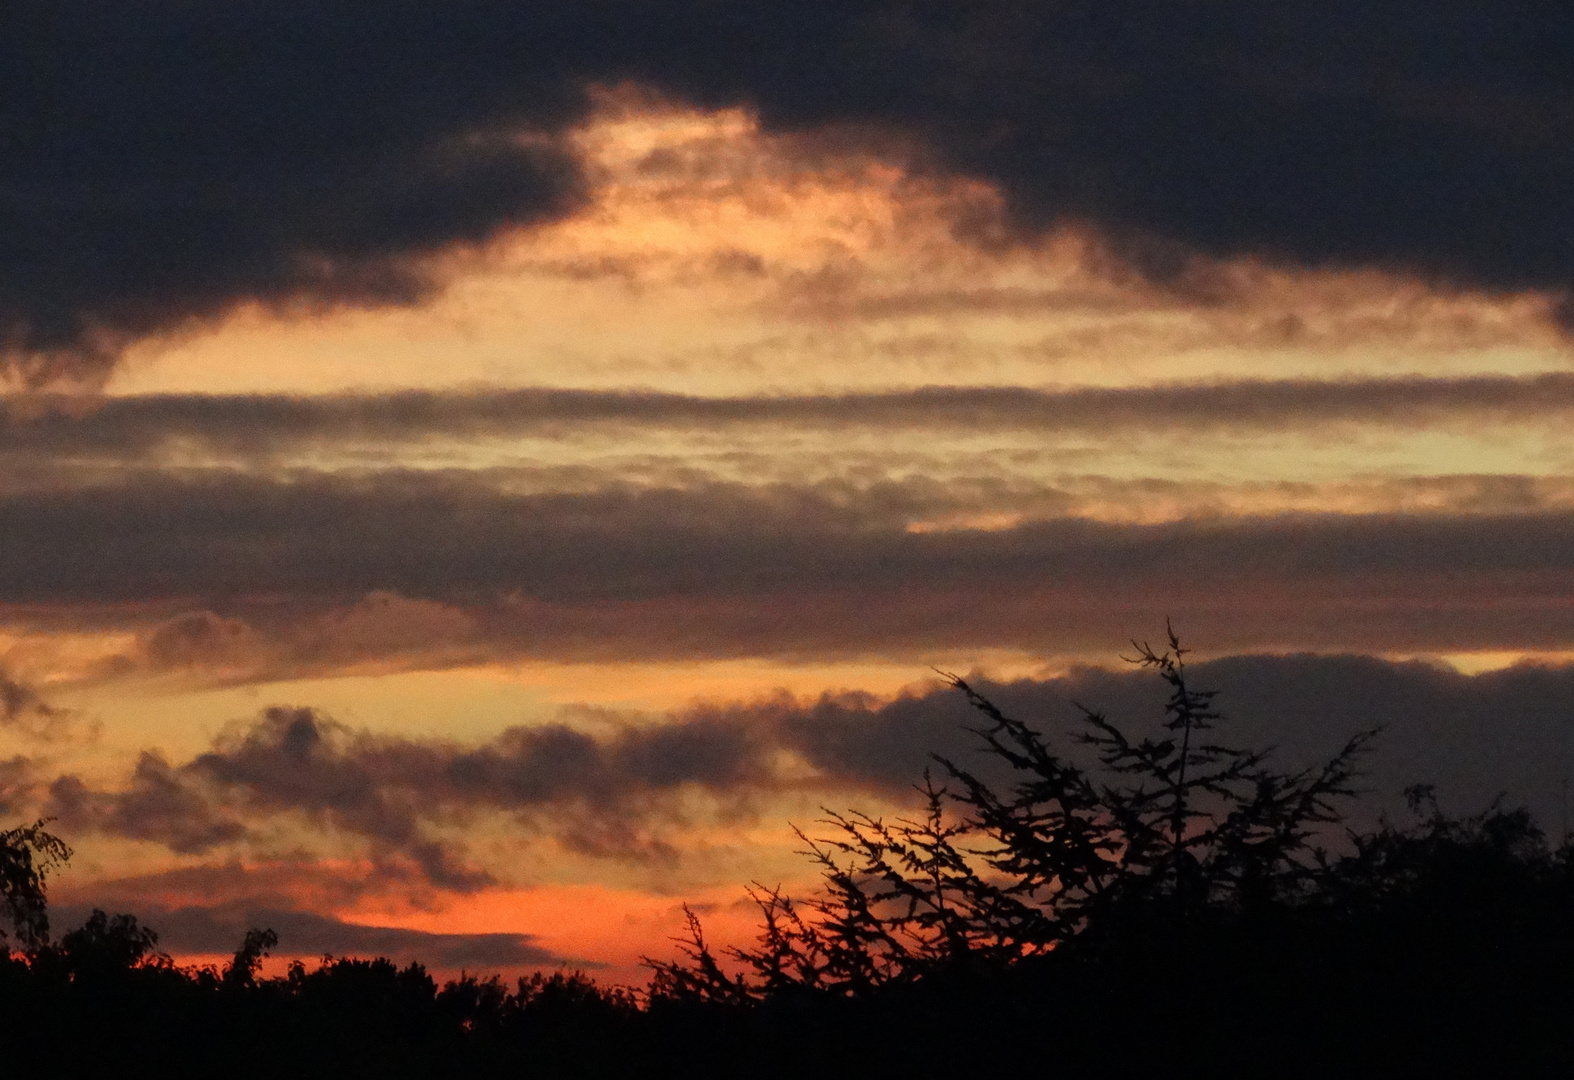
(320, 571)
(20, 703)
(606, 797)
(158, 805)
(18, 783)
(165, 162)
(293, 881)
(135, 428)
(1409, 134)
(1505, 732)
(624, 792)
(218, 929)
(23, 710)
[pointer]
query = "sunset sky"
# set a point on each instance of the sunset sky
(474, 473)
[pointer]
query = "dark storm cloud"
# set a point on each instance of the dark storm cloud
(262, 424)
(1509, 732)
(219, 930)
(164, 159)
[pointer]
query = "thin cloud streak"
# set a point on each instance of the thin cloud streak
(218, 930)
(447, 537)
(260, 424)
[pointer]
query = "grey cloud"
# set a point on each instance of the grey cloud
(17, 700)
(134, 427)
(606, 797)
(1508, 732)
(445, 535)
(23, 710)
(729, 570)
(165, 161)
(20, 702)
(295, 880)
(156, 805)
(217, 930)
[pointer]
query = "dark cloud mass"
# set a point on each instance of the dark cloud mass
(1411, 134)
(163, 160)
(733, 570)
(1509, 732)
(442, 536)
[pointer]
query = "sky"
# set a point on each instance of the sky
(474, 475)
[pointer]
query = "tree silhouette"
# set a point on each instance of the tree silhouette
(1167, 830)
(109, 945)
(28, 854)
(257, 944)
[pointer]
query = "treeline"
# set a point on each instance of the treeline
(1155, 905)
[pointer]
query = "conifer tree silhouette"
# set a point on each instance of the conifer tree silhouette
(1168, 829)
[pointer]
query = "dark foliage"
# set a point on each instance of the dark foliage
(1158, 905)
(1168, 904)
(27, 854)
(1166, 832)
